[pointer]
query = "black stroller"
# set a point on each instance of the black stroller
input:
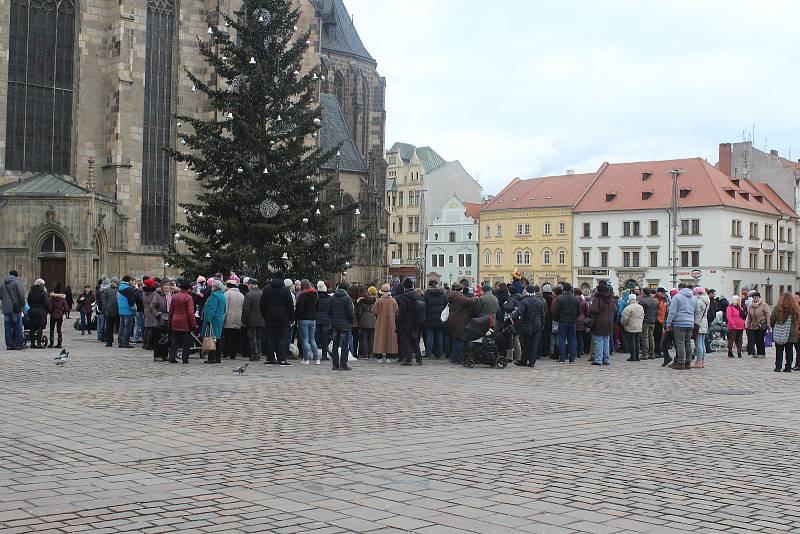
(483, 341)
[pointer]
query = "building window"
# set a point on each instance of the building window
(400, 251)
(547, 228)
(603, 229)
(562, 257)
(690, 258)
(399, 225)
(586, 259)
(437, 260)
(488, 231)
(635, 259)
(523, 229)
(780, 234)
(603, 258)
(562, 228)
(469, 260)
(653, 258)
(753, 230)
(40, 83)
(400, 199)
(736, 228)
(461, 260)
(499, 230)
(546, 257)
(626, 259)
(487, 258)
(450, 260)
(753, 260)
(768, 261)
(587, 229)
(767, 231)
(498, 257)
(53, 243)
(690, 227)
(631, 229)
(789, 235)
(452, 237)
(789, 264)
(736, 257)
(653, 228)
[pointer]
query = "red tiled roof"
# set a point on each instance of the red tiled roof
(472, 209)
(788, 163)
(545, 192)
(775, 199)
(706, 186)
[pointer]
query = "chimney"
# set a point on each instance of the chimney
(773, 153)
(725, 158)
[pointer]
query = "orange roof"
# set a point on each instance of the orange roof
(472, 209)
(619, 186)
(545, 192)
(775, 199)
(788, 163)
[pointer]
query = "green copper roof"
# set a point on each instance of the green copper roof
(428, 157)
(42, 185)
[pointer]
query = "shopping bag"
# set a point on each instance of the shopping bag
(445, 314)
(209, 341)
(768, 339)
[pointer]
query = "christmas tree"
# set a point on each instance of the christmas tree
(260, 210)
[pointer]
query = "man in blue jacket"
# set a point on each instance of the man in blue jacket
(126, 300)
(680, 320)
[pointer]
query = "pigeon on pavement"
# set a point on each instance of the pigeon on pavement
(63, 360)
(241, 369)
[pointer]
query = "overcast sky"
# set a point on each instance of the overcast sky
(529, 88)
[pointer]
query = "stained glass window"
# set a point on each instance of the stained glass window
(40, 84)
(156, 165)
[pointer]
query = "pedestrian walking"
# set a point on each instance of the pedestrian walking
(84, 307)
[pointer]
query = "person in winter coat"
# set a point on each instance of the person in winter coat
(621, 303)
(68, 299)
(650, 306)
(58, 310)
(39, 304)
(547, 330)
(736, 317)
(632, 320)
(152, 322)
(701, 322)
(126, 301)
(12, 296)
(711, 312)
(486, 304)
(84, 307)
(460, 313)
(566, 310)
(214, 319)
(531, 312)
(232, 327)
(661, 317)
(342, 312)
(784, 321)
(277, 308)
(306, 316)
(366, 322)
(385, 310)
(157, 312)
(252, 319)
(680, 321)
(110, 302)
(580, 325)
(757, 321)
(181, 322)
(322, 334)
(435, 303)
(408, 323)
(601, 311)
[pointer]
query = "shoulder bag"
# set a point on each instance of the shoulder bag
(209, 341)
(17, 305)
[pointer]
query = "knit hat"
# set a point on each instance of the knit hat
(699, 291)
(372, 290)
(385, 289)
(458, 287)
(235, 278)
(246, 280)
(218, 284)
(201, 279)
(149, 283)
(322, 287)
(632, 297)
(673, 292)
(288, 282)
(547, 288)
(231, 282)
(408, 283)
(39, 282)
(252, 282)
(211, 281)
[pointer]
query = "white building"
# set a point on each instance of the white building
(733, 233)
(451, 251)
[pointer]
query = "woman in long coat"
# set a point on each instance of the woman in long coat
(214, 319)
(39, 304)
(459, 314)
(385, 310)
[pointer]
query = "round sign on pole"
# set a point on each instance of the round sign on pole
(768, 245)
(696, 274)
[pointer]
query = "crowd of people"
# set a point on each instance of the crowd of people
(227, 316)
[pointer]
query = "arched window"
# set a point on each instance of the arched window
(452, 237)
(526, 256)
(546, 256)
(498, 257)
(562, 257)
(40, 83)
(519, 257)
(338, 88)
(53, 244)
(487, 257)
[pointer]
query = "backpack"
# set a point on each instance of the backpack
(781, 331)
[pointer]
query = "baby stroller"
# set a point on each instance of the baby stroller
(481, 341)
(26, 331)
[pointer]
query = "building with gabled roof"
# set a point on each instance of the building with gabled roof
(451, 248)
(527, 228)
(732, 233)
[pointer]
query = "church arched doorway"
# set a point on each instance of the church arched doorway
(53, 261)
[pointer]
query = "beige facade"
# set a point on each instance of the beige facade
(109, 126)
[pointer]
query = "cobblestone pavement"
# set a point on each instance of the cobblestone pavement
(116, 443)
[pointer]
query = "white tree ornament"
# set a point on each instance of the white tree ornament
(268, 209)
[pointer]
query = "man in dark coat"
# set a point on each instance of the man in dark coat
(602, 311)
(408, 323)
(110, 302)
(12, 296)
(459, 315)
(711, 314)
(323, 318)
(566, 311)
(531, 311)
(650, 305)
(435, 303)
(277, 309)
(547, 329)
(252, 319)
(341, 312)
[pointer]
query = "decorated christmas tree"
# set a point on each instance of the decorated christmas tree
(260, 211)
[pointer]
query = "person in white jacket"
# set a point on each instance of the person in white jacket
(632, 320)
(701, 320)
(232, 328)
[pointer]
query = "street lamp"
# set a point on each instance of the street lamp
(418, 265)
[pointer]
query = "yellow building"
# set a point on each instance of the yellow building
(527, 228)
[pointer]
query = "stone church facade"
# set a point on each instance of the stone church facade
(87, 99)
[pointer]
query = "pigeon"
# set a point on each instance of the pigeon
(241, 369)
(62, 354)
(63, 359)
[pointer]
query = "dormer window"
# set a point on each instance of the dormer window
(745, 195)
(646, 175)
(731, 192)
(610, 196)
(760, 198)
(685, 192)
(646, 195)
(735, 181)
